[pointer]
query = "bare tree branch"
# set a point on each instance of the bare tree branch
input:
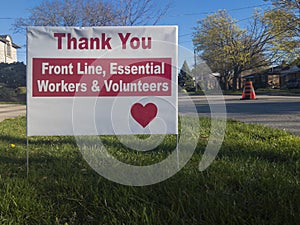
(140, 12)
(92, 13)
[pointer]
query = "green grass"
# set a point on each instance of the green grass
(254, 180)
(264, 91)
(230, 92)
(278, 91)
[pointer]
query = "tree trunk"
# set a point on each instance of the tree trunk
(224, 81)
(227, 87)
(240, 83)
(236, 77)
(234, 83)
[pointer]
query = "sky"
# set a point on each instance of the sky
(184, 13)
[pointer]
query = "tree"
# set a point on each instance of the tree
(91, 13)
(185, 79)
(137, 12)
(230, 50)
(212, 37)
(292, 4)
(296, 62)
(68, 13)
(284, 23)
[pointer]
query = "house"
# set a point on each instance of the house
(8, 49)
(274, 77)
(290, 73)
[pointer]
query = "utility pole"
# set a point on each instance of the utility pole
(195, 66)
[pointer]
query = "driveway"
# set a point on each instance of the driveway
(281, 112)
(11, 111)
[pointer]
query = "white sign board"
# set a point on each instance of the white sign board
(101, 80)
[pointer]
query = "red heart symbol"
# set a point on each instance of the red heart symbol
(143, 114)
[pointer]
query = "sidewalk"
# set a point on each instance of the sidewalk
(11, 110)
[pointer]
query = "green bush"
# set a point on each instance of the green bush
(6, 93)
(13, 75)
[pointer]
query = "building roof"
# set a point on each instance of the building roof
(276, 70)
(293, 69)
(4, 39)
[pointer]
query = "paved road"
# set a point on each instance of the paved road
(11, 111)
(275, 111)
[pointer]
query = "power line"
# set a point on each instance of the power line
(229, 10)
(186, 14)
(183, 35)
(237, 21)
(184, 42)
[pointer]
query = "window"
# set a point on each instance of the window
(8, 47)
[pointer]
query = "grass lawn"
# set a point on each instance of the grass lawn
(267, 91)
(254, 180)
(278, 91)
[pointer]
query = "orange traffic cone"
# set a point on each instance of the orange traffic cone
(248, 92)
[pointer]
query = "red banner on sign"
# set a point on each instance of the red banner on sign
(101, 77)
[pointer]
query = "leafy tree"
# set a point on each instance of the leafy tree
(230, 50)
(91, 13)
(296, 62)
(292, 4)
(185, 78)
(284, 23)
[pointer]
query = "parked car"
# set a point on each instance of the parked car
(293, 83)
